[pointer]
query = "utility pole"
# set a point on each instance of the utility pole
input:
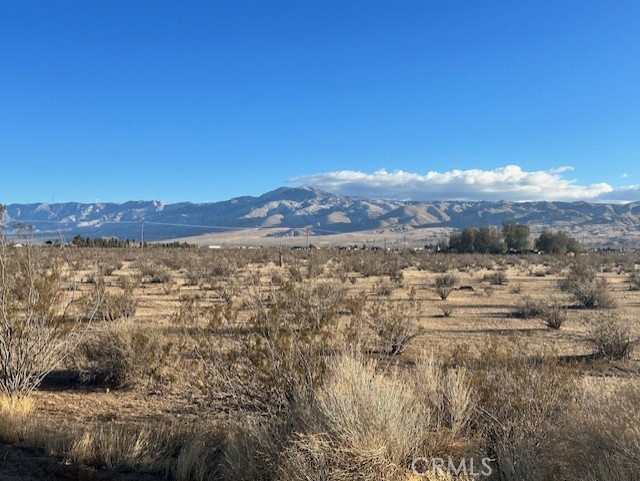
(142, 234)
(308, 245)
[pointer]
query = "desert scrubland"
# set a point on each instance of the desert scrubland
(321, 364)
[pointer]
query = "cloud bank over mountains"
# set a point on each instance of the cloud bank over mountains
(510, 183)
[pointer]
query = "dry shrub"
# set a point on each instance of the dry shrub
(192, 311)
(383, 288)
(40, 320)
(444, 285)
(395, 324)
(516, 288)
(447, 310)
(589, 290)
(355, 304)
(296, 274)
(315, 268)
(155, 274)
(520, 401)
(601, 440)
(611, 337)
(108, 266)
(497, 278)
(280, 352)
(553, 312)
(634, 280)
(527, 308)
(124, 356)
(488, 291)
(115, 306)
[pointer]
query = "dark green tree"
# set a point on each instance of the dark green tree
(516, 236)
(488, 240)
(558, 243)
(463, 242)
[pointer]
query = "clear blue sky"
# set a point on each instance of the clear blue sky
(204, 100)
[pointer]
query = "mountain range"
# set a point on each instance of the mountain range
(292, 210)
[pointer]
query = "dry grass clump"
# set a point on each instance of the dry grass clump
(363, 425)
(16, 406)
(447, 393)
(20, 424)
(201, 456)
(15, 413)
(170, 450)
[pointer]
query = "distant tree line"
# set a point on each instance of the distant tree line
(111, 242)
(513, 237)
(80, 241)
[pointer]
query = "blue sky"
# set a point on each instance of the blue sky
(205, 100)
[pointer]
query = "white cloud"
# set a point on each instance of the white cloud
(625, 175)
(629, 193)
(504, 183)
